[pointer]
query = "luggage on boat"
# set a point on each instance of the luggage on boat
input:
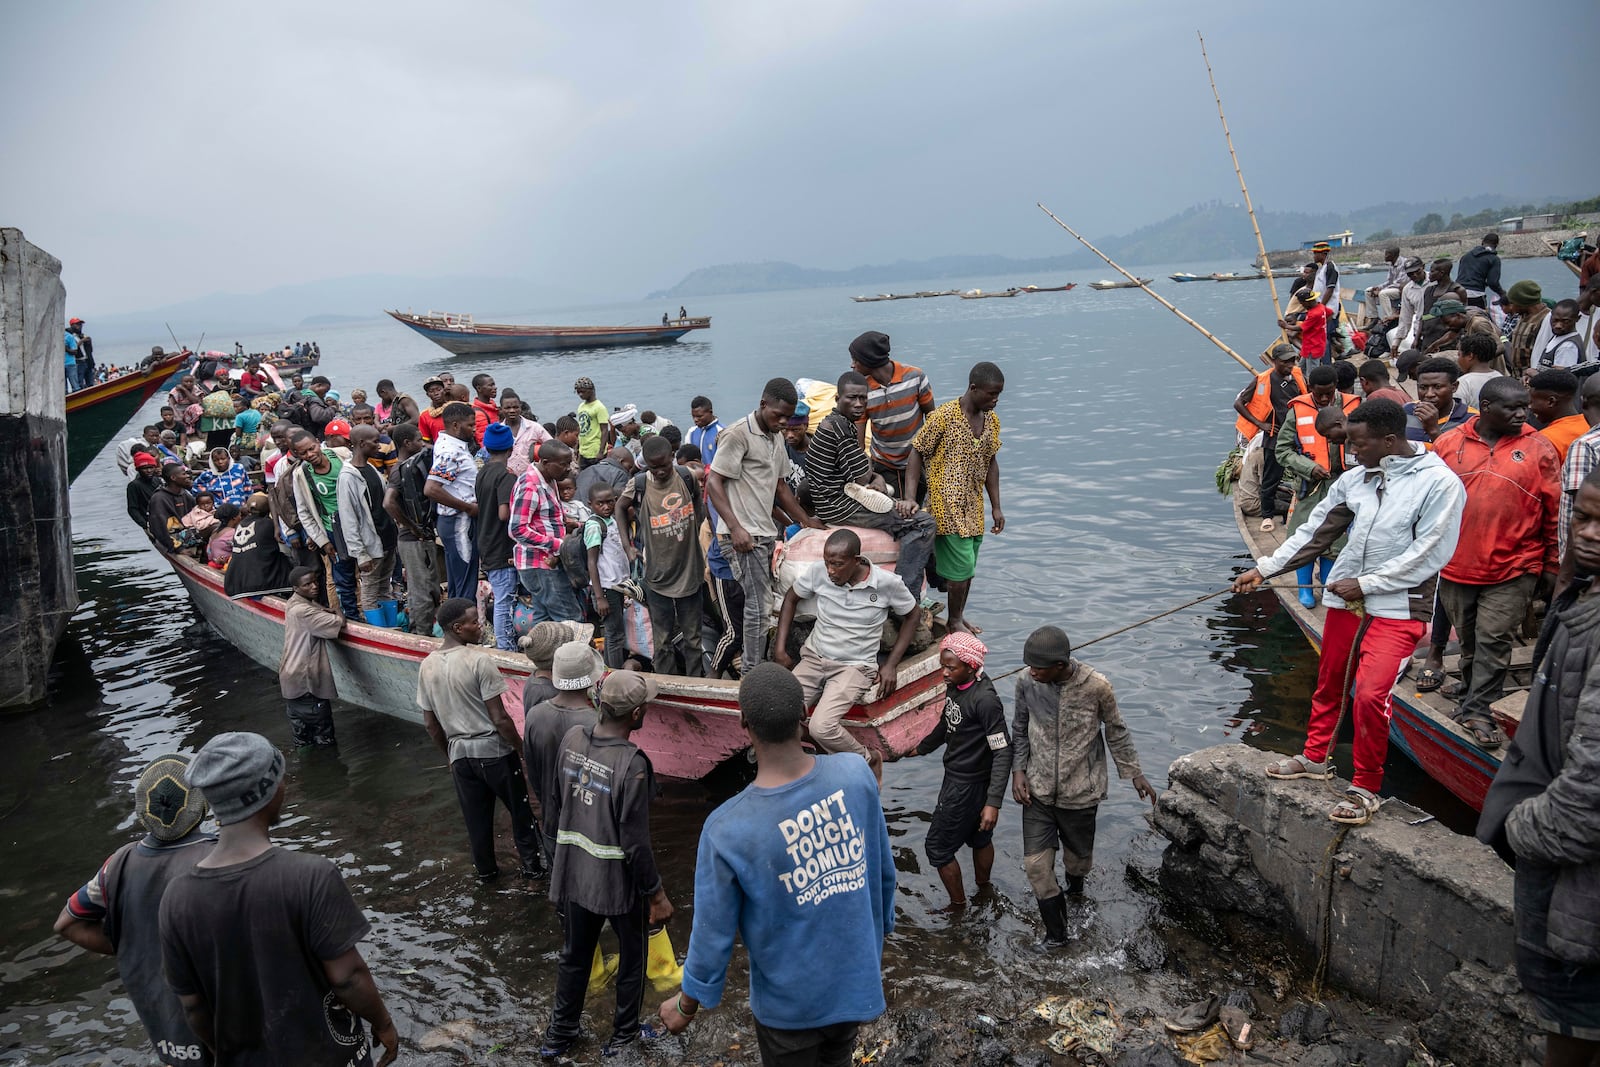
(805, 548)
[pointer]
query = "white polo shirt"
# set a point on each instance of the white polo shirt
(850, 617)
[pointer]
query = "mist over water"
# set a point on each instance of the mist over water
(1114, 419)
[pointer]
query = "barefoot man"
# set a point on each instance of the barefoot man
(957, 448)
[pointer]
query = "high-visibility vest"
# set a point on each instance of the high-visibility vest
(1303, 409)
(1260, 404)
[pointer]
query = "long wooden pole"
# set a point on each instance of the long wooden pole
(1213, 338)
(1266, 266)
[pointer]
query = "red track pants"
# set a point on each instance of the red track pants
(1385, 648)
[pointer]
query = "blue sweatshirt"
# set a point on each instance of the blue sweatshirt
(805, 876)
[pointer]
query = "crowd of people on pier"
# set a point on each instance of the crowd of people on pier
(1470, 505)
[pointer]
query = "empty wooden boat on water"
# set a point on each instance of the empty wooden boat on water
(1050, 288)
(1106, 283)
(872, 299)
(1185, 276)
(1230, 276)
(460, 335)
(979, 294)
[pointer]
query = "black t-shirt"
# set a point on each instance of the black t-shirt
(493, 488)
(972, 729)
(250, 940)
(256, 566)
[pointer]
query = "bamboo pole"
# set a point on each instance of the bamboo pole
(1266, 266)
(1213, 338)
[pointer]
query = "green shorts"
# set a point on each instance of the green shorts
(956, 557)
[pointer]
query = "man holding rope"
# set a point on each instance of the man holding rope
(1401, 510)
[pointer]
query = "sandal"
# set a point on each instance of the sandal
(1455, 690)
(1485, 733)
(1357, 808)
(1299, 767)
(1267, 526)
(1429, 679)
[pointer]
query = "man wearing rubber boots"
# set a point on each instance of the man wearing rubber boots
(1401, 510)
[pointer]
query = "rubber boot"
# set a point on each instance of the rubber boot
(1324, 565)
(374, 617)
(1054, 912)
(391, 613)
(1302, 578)
(1075, 885)
(603, 970)
(661, 963)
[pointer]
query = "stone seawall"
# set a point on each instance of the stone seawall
(1452, 243)
(38, 587)
(1420, 916)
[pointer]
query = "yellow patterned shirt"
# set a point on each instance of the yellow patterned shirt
(956, 464)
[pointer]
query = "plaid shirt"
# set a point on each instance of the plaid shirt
(536, 522)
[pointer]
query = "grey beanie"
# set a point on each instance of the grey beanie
(1046, 647)
(238, 773)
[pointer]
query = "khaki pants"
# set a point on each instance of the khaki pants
(836, 688)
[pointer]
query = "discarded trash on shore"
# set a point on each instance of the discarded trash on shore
(1085, 1024)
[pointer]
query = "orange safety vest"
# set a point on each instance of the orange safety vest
(1260, 404)
(1303, 409)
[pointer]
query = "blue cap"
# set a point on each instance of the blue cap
(497, 437)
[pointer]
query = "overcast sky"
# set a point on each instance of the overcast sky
(168, 150)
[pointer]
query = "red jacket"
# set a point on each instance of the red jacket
(1314, 333)
(1513, 499)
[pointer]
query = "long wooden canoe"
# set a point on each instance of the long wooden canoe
(462, 336)
(95, 415)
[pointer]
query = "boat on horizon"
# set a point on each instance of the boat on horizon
(1106, 283)
(1185, 276)
(1050, 288)
(1420, 725)
(462, 336)
(97, 414)
(979, 294)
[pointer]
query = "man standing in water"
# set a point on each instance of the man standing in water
(757, 876)
(1401, 509)
(958, 450)
(1541, 810)
(259, 942)
(118, 912)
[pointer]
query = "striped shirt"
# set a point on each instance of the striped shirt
(834, 458)
(895, 411)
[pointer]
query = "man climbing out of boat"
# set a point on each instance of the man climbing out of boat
(958, 452)
(1064, 719)
(1310, 446)
(1541, 810)
(460, 692)
(899, 400)
(838, 665)
(1401, 510)
(837, 472)
(1512, 477)
(1263, 407)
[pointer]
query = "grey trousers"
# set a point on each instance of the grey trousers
(1486, 619)
(421, 561)
(754, 571)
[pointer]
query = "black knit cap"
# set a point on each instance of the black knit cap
(1046, 647)
(871, 349)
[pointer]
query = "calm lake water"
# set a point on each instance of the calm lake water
(1114, 419)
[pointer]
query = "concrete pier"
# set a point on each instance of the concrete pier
(1419, 919)
(38, 587)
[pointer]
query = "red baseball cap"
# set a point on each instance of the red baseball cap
(74, 322)
(337, 428)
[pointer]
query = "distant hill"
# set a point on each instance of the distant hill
(1210, 231)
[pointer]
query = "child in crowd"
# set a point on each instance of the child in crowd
(609, 557)
(304, 674)
(575, 511)
(202, 518)
(220, 548)
(1065, 718)
(977, 764)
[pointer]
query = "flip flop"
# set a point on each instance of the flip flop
(1429, 679)
(1267, 526)
(1454, 690)
(1484, 731)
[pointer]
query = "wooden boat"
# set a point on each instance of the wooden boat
(1361, 268)
(460, 335)
(1185, 276)
(979, 294)
(1230, 276)
(693, 725)
(1555, 246)
(1050, 288)
(95, 415)
(1420, 725)
(1107, 284)
(872, 299)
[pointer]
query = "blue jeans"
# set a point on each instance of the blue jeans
(503, 580)
(553, 598)
(456, 532)
(344, 583)
(74, 377)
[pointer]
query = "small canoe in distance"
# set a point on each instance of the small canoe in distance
(97, 414)
(693, 725)
(1107, 284)
(460, 335)
(1185, 276)
(979, 294)
(872, 299)
(1050, 288)
(1230, 276)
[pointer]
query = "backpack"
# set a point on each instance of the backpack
(410, 478)
(575, 557)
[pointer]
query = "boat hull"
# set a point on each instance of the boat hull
(693, 724)
(96, 415)
(504, 340)
(1425, 734)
